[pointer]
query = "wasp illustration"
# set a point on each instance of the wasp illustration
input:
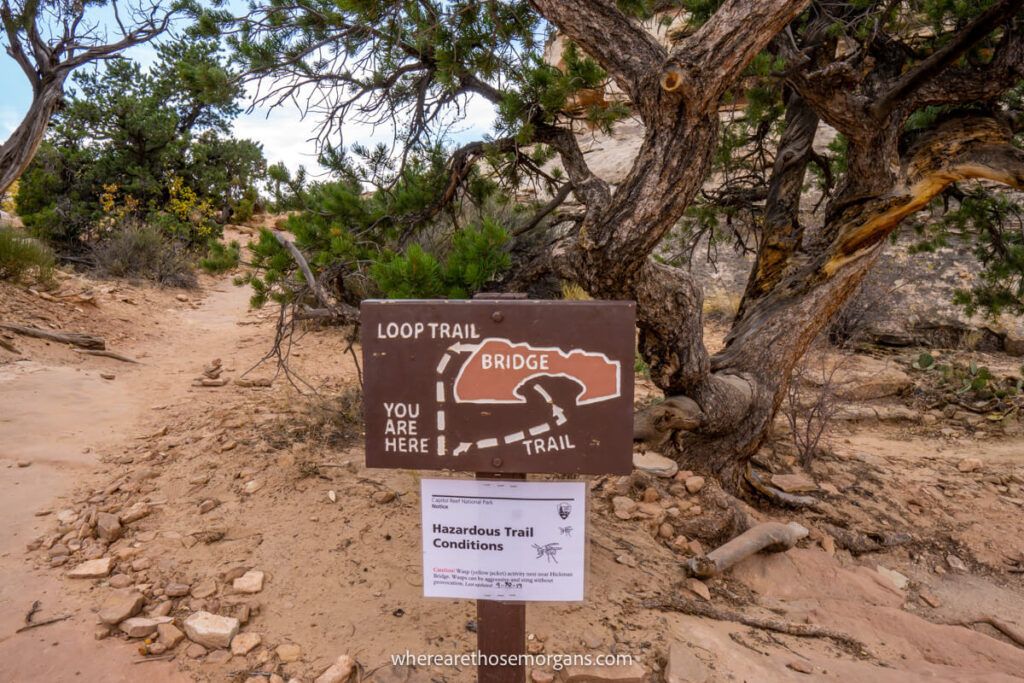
(549, 551)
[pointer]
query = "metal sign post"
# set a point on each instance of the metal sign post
(500, 387)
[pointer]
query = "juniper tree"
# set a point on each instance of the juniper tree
(916, 89)
(49, 39)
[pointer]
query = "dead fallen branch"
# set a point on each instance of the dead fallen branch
(85, 341)
(1011, 631)
(44, 622)
(108, 354)
(709, 611)
(859, 543)
(771, 537)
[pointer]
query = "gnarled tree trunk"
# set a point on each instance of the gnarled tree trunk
(771, 335)
(18, 150)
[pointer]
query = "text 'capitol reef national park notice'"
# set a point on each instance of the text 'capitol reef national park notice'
(504, 540)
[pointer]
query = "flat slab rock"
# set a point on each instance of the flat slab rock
(93, 569)
(121, 606)
(142, 627)
(628, 673)
(249, 582)
(210, 630)
(794, 483)
(655, 463)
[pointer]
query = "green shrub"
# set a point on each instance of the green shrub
(477, 256)
(136, 251)
(21, 255)
(221, 257)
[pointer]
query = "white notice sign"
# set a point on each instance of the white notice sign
(504, 540)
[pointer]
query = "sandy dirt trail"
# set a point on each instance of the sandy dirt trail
(55, 423)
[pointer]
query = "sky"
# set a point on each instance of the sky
(284, 134)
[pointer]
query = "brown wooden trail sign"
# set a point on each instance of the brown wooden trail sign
(501, 387)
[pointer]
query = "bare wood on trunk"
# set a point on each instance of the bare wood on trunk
(770, 537)
(307, 272)
(80, 339)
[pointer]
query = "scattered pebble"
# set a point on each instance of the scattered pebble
(250, 582)
(244, 643)
(289, 652)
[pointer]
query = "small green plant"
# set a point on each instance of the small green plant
(923, 362)
(971, 379)
(640, 366)
(221, 257)
(21, 255)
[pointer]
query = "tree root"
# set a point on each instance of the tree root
(44, 622)
(768, 536)
(708, 611)
(85, 341)
(859, 543)
(724, 517)
(762, 487)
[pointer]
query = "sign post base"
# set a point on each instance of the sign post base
(500, 627)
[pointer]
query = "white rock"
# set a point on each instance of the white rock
(210, 630)
(897, 579)
(339, 672)
(249, 582)
(93, 569)
(253, 486)
(655, 464)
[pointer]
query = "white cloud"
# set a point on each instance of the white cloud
(10, 118)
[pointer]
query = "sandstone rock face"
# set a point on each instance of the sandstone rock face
(794, 483)
(1013, 345)
(210, 630)
(683, 666)
(863, 378)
